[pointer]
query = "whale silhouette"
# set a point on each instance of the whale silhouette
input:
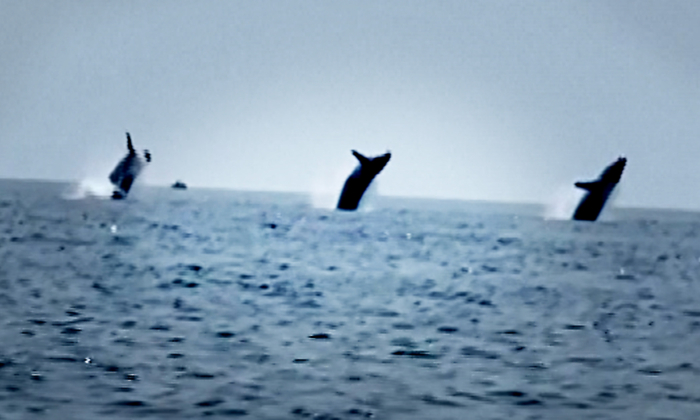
(358, 181)
(598, 191)
(126, 171)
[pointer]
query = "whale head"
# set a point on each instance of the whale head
(372, 165)
(609, 177)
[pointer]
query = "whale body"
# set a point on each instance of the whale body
(126, 171)
(358, 181)
(598, 191)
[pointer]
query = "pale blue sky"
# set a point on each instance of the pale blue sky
(494, 100)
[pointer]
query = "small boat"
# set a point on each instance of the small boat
(179, 185)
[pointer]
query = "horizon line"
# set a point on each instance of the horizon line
(465, 200)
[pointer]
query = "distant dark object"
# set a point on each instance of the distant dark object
(598, 191)
(179, 185)
(360, 178)
(124, 175)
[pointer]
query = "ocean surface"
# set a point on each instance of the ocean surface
(221, 304)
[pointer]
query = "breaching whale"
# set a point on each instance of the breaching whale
(598, 191)
(127, 170)
(358, 181)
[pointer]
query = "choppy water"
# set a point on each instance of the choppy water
(222, 304)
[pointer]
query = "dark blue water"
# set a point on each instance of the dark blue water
(219, 304)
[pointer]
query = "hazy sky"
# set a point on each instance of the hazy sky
(497, 100)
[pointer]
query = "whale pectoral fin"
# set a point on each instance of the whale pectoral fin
(129, 144)
(363, 160)
(588, 186)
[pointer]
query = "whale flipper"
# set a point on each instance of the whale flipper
(588, 186)
(598, 191)
(363, 160)
(358, 181)
(129, 144)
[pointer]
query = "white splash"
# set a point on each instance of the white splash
(89, 187)
(367, 203)
(563, 203)
(327, 185)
